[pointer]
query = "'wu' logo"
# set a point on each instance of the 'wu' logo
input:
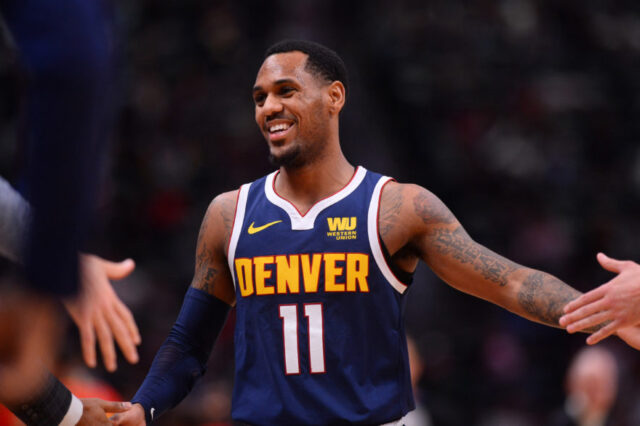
(342, 228)
(342, 223)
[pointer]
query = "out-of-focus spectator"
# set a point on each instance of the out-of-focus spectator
(591, 390)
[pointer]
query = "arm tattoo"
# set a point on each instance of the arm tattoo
(227, 213)
(543, 296)
(459, 245)
(431, 210)
(205, 276)
(390, 209)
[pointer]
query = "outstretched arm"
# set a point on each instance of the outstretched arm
(437, 237)
(183, 356)
(616, 302)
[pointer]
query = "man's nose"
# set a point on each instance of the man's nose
(272, 105)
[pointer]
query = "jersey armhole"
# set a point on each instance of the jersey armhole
(236, 228)
(374, 237)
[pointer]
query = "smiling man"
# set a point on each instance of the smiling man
(317, 257)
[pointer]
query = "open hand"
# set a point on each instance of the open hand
(98, 311)
(616, 302)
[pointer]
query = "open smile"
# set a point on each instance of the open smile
(279, 131)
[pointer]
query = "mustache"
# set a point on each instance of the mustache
(278, 116)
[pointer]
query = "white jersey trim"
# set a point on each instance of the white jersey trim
(238, 220)
(301, 222)
(374, 238)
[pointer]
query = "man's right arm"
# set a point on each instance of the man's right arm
(182, 358)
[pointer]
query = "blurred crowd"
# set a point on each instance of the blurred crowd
(521, 115)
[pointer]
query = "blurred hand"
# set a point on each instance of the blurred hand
(98, 311)
(133, 417)
(631, 336)
(616, 302)
(94, 411)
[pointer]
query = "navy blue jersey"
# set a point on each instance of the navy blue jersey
(319, 332)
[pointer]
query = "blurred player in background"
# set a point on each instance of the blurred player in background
(64, 47)
(316, 257)
(617, 302)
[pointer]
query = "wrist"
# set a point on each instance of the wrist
(145, 409)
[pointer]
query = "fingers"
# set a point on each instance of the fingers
(88, 342)
(129, 321)
(105, 340)
(132, 416)
(585, 299)
(118, 270)
(603, 333)
(590, 321)
(123, 337)
(582, 312)
(611, 265)
(114, 406)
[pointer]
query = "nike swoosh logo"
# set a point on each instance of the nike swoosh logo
(152, 411)
(252, 230)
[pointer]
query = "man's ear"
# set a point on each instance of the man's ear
(337, 97)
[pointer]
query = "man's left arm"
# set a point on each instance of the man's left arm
(440, 240)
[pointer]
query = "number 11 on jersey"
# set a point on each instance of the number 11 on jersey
(289, 315)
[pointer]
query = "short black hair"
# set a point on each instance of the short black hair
(321, 60)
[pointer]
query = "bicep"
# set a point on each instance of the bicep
(211, 272)
(453, 255)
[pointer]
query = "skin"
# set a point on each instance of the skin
(616, 302)
(414, 224)
(593, 378)
(100, 315)
(94, 411)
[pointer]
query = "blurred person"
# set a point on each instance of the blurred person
(616, 302)
(591, 388)
(78, 379)
(316, 257)
(97, 310)
(64, 47)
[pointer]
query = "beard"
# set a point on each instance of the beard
(297, 156)
(290, 159)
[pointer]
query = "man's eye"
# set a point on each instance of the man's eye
(286, 90)
(258, 99)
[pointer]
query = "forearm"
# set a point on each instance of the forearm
(182, 359)
(14, 221)
(541, 297)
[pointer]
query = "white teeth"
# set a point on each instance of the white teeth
(278, 127)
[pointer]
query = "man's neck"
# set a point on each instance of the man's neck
(307, 185)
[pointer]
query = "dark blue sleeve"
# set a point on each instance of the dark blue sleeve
(182, 358)
(65, 49)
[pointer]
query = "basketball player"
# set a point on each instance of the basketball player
(617, 302)
(316, 257)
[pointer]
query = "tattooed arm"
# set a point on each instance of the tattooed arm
(430, 231)
(211, 271)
